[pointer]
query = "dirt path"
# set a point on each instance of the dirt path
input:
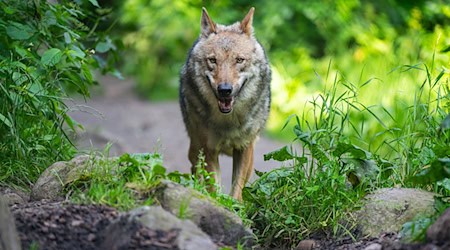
(115, 114)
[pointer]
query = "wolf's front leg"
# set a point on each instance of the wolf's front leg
(242, 170)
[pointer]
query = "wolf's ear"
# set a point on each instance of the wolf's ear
(247, 22)
(207, 25)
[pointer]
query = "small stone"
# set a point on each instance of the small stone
(374, 246)
(91, 237)
(76, 223)
(306, 245)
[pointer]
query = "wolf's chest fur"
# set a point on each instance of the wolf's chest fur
(236, 130)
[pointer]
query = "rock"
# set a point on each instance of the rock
(374, 246)
(439, 232)
(306, 245)
(222, 225)
(9, 239)
(182, 234)
(52, 180)
(387, 209)
(14, 196)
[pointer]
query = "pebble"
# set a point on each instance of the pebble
(374, 246)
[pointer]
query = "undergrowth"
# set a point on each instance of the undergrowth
(129, 180)
(337, 165)
(46, 51)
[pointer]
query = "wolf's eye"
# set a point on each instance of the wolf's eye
(239, 60)
(212, 60)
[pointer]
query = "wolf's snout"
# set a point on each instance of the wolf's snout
(224, 89)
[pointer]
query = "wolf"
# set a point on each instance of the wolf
(224, 96)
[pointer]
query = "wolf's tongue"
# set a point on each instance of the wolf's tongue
(226, 104)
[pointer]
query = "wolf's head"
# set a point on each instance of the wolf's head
(227, 58)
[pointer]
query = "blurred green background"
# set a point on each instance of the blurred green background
(372, 48)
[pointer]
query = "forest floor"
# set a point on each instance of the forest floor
(62, 225)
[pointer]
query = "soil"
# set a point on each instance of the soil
(60, 225)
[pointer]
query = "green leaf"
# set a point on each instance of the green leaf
(445, 123)
(36, 88)
(95, 3)
(22, 52)
(71, 122)
(355, 151)
(49, 18)
(282, 154)
(19, 78)
(18, 31)
(445, 183)
(415, 230)
(117, 74)
(5, 121)
(362, 171)
(9, 9)
(159, 170)
(446, 49)
(102, 47)
(67, 37)
(86, 72)
(438, 170)
(51, 57)
(76, 52)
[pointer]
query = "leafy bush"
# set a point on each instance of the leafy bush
(46, 50)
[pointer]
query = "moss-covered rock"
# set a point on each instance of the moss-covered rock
(219, 223)
(54, 178)
(387, 209)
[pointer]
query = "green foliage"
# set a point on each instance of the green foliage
(128, 181)
(123, 182)
(300, 37)
(415, 230)
(313, 195)
(337, 165)
(45, 51)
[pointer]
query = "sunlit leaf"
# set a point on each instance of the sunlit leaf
(446, 49)
(95, 3)
(5, 121)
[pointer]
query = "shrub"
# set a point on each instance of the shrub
(45, 51)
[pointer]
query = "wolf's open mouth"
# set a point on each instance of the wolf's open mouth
(226, 104)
